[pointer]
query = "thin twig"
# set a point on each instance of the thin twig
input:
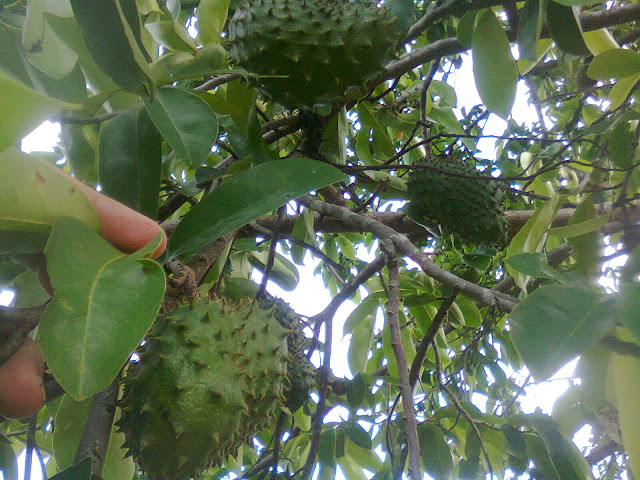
(429, 337)
(31, 446)
(271, 257)
(461, 409)
(504, 303)
(406, 392)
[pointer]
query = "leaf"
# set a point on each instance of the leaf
(624, 376)
(494, 69)
(186, 122)
(79, 471)
(581, 228)
(103, 305)
(614, 63)
(169, 33)
(628, 311)
(111, 34)
(565, 29)
(360, 344)
(357, 435)
(532, 235)
(247, 196)
(326, 447)
(130, 156)
(212, 15)
(34, 194)
(621, 90)
(355, 390)
(365, 308)
(557, 323)
(531, 264)
(567, 460)
(23, 109)
(8, 461)
(436, 455)
(529, 28)
(599, 41)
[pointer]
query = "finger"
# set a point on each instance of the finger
(21, 390)
(122, 226)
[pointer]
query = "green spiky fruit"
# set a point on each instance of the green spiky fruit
(310, 52)
(460, 203)
(210, 376)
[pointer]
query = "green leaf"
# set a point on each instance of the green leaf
(79, 471)
(614, 63)
(23, 109)
(247, 196)
(621, 90)
(516, 445)
(34, 194)
(532, 236)
(567, 460)
(8, 461)
(360, 344)
(365, 308)
(557, 323)
(436, 455)
(621, 144)
(111, 33)
(581, 228)
(448, 119)
(357, 434)
(12, 60)
(103, 305)
(494, 69)
(356, 390)
(186, 122)
(565, 29)
(529, 28)
(212, 15)
(130, 157)
(628, 311)
(466, 26)
(169, 33)
(326, 447)
(533, 264)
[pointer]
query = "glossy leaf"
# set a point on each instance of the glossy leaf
(533, 264)
(531, 236)
(23, 109)
(357, 435)
(185, 121)
(103, 305)
(356, 390)
(326, 447)
(247, 196)
(494, 69)
(436, 456)
(556, 324)
(33, 195)
(212, 15)
(628, 311)
(529, 28)
(625, 383)
(8, 461)
(111, 33)
(565, 28)
(79, 471)
(615, 63)
(129, 162)
(580, 228)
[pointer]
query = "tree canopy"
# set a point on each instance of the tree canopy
(262, 134)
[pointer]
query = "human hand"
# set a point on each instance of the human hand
(21, 390)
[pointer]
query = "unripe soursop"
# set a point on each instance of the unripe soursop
(211, 374)
(454, 197)
(310, 52)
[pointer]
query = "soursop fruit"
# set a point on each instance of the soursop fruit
(468, 208)
(310, 52)
(211, 374)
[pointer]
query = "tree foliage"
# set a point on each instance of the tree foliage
(152, 111)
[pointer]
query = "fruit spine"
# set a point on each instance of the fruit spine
(310, 52)
(453, 196)
(210, 376)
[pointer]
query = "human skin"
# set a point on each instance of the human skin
(21, 390)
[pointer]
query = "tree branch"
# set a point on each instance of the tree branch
(15, 325)
(97, 430)
(404, 246)
(406, 392)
